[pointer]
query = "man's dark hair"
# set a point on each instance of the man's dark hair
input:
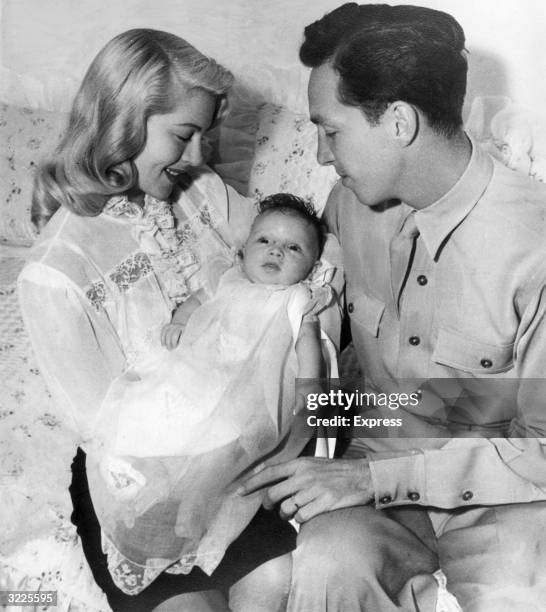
(290, 204)
(386, 53)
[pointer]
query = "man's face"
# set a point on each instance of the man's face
(366, 157)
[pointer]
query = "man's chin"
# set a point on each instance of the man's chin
(367, 200)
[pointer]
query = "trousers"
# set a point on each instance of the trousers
(361, 559)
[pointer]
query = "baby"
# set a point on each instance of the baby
(283, 247)
(175, 442)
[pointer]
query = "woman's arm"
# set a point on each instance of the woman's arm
(77, 353)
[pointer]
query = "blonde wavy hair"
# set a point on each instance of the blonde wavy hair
(136, 75)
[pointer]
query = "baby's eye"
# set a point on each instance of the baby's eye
(294, 247)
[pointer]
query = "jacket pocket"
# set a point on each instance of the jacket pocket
(366, 311)
(464, 353)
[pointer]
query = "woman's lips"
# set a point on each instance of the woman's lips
(173, 175)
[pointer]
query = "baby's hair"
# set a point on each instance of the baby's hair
(291, 204)
(135, 75)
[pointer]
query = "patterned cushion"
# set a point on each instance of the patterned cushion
(285, 158)
(26, 135)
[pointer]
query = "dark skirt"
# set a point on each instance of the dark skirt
(266, 537)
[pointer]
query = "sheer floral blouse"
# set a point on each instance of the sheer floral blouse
(96, 291)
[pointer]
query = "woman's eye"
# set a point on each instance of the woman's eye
(185, 139)
(263, 240)
(330, 134)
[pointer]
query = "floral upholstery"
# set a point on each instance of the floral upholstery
(39, 548)
(285, 158)
(26, 135)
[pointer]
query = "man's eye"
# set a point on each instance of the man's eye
(263, 240)
(330, 134)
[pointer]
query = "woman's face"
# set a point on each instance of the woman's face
(173, 143)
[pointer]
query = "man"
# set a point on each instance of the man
(445, 260)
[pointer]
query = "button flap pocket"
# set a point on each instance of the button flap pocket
(365, 310)
(467, 354)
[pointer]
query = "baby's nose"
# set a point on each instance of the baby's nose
(275, 250)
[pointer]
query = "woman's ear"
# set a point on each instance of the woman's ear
(122, 174)
(403, 122)
(220, 112)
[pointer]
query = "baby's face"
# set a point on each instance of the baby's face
(281, 249)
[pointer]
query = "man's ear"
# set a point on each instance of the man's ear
(403, 122)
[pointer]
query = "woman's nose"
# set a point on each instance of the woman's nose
(324, 154)
(193, 154)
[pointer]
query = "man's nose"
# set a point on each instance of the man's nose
(324, 154)
(193, 154)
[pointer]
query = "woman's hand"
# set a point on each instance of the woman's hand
(308, 486)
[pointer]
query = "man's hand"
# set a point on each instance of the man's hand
(309, 486)
(170, 335)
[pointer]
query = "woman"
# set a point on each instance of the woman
(129, 220)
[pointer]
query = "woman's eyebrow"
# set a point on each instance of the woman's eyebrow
(191, 125)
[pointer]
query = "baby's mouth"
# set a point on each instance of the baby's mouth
(272, 266)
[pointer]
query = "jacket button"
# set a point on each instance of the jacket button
(414, 496)
(467, 495)
(486, 363)
(414, 340)
(386, 499)
(350, 308)
(422, 280)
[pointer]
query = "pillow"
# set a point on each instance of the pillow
(513, 134)
(285, 158)
(26, 135)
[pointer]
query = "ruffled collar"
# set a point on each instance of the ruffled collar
(154, 214)
(171, 252)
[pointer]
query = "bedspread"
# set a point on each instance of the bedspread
(39, 547)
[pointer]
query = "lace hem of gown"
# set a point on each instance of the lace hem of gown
(132, 578)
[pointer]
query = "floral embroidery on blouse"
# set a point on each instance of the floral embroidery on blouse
(131, 270)
(170, 251)
(97, 294)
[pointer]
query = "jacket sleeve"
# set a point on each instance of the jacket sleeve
(481, 471)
